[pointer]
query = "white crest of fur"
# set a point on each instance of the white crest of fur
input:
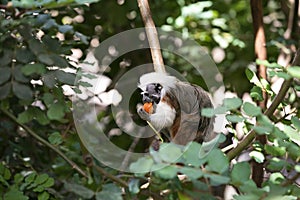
(155, 77)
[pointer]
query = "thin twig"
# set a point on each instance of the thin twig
(152, 36)
(110, 176)
(45, 142)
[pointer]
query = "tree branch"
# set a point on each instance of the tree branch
(45, 142)
(261, 53)
(152, 36)
(269, 112)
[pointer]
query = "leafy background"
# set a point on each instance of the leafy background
(45, 43)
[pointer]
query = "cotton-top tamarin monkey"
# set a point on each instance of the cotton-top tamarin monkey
(175, 106)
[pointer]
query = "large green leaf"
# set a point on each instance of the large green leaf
(169, 152)
(251, 109)
(240, 173)
(191, 154)
(5, 90)
(217, 161)
(109, 192)
(5, 73)
(14, 194)
(168, 172)
(142, 165)
(232, 103)
(36, 68)
(56, 111)
(294, 71)
(65, 77)
(22, 91)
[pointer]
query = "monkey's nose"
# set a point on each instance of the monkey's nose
(146, 99)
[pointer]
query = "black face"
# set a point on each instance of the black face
(152, 93)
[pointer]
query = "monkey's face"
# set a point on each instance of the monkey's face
(152, 93)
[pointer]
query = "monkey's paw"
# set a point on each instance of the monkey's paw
(142, 113)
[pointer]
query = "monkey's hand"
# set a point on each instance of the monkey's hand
(142, 113)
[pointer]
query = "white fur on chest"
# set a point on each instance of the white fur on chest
(163, 117)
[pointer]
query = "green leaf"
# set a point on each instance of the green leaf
(109, 192)
(18, 178)
(5, 90)
(296, 122)
(191, 154)
(276, 164)
(210, 112)
(65, 29)
(275, 151)
(217, 179)
(293, 134)
(22, 91)
(240, 173)
(59, 61)
(6, 57)
(207, 112)
(65, 77)
(55, 138)
(49, 79)
(256, 93)
(217, 161)
(14, 194)
(257, 156)
(235, 118)
(276, 178)
(297, 168)
(56, 111)
(267, 64)
(48, 99)
(49, 183)
(294, 71)
(30, 178)
(232, 103)
(19, 76)
(262, 130)
(251, 109)
(33, 113)
(24, 55)
(38, 188)
(44, 196)
(46, 59)
(36, 46)
(251, 75)
(41, 179)
(169, 152)
(142, 165)
(168, 172)
(5, 73)
(79, 190)
(133, 186)
(192, 173)
(36, 68)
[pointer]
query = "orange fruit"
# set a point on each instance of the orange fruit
(148, 107)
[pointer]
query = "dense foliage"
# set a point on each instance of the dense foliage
(43, 46)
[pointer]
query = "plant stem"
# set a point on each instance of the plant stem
(45, 142)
